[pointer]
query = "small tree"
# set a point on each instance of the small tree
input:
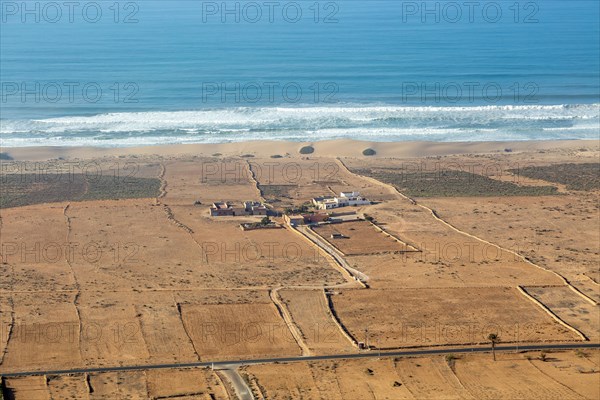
(265, 221)
(494, 338)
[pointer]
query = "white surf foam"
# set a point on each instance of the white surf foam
(381, 122)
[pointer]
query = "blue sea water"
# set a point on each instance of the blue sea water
(120, 73)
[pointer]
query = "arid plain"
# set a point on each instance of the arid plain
(110, 258)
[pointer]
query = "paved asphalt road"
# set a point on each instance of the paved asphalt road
(370, 354)
(239, 384)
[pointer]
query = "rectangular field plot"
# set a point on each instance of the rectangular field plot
(310, 312)
(359, 237)
(45, 333)
(27, 388)
(130, 244)
(571, 308)
(110, 330)
(35, 245)
(430, 378)
(510, 377)
(335, 380)
(68, 387)
(410, 317)
(185, 383)
(238, 331)
(118, 385)
(162, 330)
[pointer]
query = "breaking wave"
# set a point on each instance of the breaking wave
(373, 123)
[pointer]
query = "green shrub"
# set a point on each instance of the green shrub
(307, 150)
(369, 152)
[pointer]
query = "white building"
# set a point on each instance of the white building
(350, 194)
(352, 199)
(344, 200)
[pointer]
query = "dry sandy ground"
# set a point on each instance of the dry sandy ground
(513, 377)
(571, 308)
(310, 312)
(208, 180)
(560, 375)
(200, 383)
(45, 332)
(230, 331)
(31, 387)
(563, 375)
(447, 258)
(558, 232)
(34, 249)
(523, 224)
(197, 384)
(158, 280)
(360, 238)
(292, 182)
(264, 258)
(422, 317)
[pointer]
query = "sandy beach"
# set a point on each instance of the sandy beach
(335, 148)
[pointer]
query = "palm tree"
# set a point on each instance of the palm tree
(494, 338)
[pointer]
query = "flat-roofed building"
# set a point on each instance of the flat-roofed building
(344, 200)
(230, 209)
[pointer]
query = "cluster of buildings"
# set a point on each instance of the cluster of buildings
(230, 209)
(248, 208)
(345, 199)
